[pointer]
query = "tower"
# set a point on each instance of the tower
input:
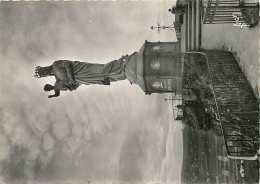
(157, 68)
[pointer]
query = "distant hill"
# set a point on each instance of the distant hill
(189, 143)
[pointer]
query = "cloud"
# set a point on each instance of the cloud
(131, 159)
(4, 147)
(47, 142)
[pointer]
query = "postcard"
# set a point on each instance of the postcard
(120, 92)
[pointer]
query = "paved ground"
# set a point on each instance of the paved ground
(201, 164)
(242, 42)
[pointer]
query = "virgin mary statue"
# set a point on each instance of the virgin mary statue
(70, 74)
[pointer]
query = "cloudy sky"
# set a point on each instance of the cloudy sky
(97, 133)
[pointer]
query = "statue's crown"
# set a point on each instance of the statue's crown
(43, 71)
(36, 74)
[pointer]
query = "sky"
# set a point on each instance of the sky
(97, 133)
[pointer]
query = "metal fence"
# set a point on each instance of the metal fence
(238, 12)
(237, 106)
(234, 106)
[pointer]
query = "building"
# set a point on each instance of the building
(157, 68)
(181, 2)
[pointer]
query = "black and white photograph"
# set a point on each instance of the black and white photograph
(129, 91)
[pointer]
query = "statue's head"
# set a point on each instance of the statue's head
(48, 87)
(43, 71)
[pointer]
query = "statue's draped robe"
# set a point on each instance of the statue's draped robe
(63, 86)
(89, 73)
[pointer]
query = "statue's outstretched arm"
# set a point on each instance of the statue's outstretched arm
(57, 93)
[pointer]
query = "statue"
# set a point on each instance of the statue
(70, 75)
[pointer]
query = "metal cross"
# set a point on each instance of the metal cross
(159, 27)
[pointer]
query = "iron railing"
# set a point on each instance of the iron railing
(236, 104)
(239, 12)
(236, 107)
